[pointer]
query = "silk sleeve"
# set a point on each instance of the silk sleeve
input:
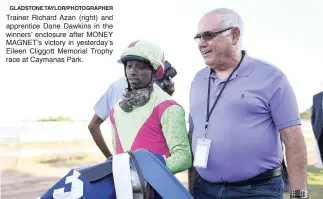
(175, 132)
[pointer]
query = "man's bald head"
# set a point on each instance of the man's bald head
(219, 33)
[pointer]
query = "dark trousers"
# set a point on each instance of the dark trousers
(285, 174)
(269, 189)
(320, 144)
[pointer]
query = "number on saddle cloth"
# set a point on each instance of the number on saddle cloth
(84, 183)
(142, 168)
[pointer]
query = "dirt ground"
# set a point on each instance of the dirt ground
(28, 179)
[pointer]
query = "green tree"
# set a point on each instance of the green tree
(56, 119)
(306, 114)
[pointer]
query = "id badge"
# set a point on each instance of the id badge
(201, 154)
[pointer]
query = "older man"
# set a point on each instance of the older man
(239, 108)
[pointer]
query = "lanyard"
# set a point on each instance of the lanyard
(208, 114)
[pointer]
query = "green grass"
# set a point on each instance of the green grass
(306, 114)
(56, 119)
(47, 145)
(315, 183)
(63, 159)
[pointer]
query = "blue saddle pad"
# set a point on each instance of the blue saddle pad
(97, 181)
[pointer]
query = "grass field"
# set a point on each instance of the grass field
(315, 183)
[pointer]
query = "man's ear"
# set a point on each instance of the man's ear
(235, 35)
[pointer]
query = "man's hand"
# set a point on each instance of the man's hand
(171, 87)
(95, 130)
(296, 155)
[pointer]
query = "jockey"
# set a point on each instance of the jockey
(143, 120)
(146, 118)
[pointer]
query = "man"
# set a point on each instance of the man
(237, 123)
(103, 107)
(145, 118)
(317, 120)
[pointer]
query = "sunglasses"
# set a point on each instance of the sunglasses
(208, 35)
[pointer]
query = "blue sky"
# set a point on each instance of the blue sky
(285, 33)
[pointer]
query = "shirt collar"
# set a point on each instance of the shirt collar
(244, 69)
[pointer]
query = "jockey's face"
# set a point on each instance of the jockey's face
(139, 74)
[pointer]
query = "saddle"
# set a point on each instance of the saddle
(138, 175)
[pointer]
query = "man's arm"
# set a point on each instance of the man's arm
(175, 132)
(102, 111)
(95, 131)
(171, 88)
(296, 155)
(284, 111)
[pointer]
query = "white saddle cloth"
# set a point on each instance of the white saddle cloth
(126, 179)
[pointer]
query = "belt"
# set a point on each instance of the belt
(265, 176)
